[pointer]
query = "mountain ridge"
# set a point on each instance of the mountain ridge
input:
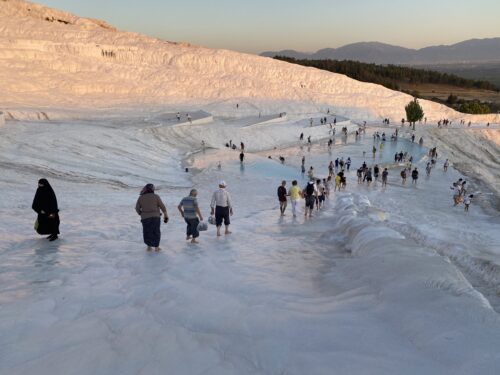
(467, 51)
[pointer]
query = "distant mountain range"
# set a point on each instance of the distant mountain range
(469, 51)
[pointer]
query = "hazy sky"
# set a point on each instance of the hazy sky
(305, 25)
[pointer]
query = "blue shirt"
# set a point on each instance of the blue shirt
(189, 204)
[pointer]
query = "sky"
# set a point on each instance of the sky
(255, 26)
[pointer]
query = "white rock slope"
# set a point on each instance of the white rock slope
(52, 59)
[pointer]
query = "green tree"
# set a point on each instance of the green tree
(452, 99)
(474, 107)
(414, 112)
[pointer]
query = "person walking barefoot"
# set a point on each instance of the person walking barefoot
(294, 194)
(310, 193)
(467, 202)
(188, 207)
(222, 208)
(445, 165)
(414, 176)
(148, 206)
(282, 193)
(403, 176)
(385, 173)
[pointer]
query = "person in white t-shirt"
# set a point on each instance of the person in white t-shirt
(222, 208)
(467, 202)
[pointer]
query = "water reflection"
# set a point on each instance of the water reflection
(46, 254)
(45, 262)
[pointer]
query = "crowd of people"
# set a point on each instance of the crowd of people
(150, 208)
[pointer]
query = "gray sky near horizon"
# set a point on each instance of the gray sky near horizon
(255, 26)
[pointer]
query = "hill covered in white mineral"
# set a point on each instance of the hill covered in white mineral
(54, 60)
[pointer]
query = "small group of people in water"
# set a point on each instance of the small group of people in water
(413, 173)
(188, 117)
(317, 190)
(323, 121)
(314, 193)
(460, 194)
(150, 207)
(364, 173)
(233, 146)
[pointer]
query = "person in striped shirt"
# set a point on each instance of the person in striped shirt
(188, 207)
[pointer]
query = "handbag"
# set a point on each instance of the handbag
(43, 225)
(202, 226)
(211, 220)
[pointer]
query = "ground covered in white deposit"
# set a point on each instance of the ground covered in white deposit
(392, 280)
(381, 281)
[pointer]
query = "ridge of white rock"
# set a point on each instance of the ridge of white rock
(54, 61)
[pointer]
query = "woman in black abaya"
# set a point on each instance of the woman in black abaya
(45, 205)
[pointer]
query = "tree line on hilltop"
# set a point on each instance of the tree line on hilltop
(392, 76)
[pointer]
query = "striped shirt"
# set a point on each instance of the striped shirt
(221, 198)
(189, 205)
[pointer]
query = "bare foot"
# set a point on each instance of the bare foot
(188, 238)
(149, 248)
(227, 232)
(218, 234)
(194, 241)
(157, 249)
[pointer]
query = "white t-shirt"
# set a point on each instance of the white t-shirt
(221, 198)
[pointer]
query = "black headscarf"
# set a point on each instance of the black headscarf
(45, 199)
(149, 188)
